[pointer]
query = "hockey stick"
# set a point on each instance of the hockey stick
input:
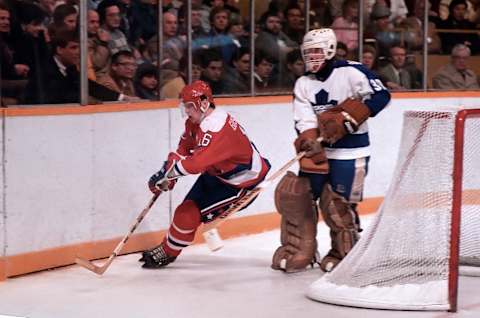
(210, 232)
(102, 268)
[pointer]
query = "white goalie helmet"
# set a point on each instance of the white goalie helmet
(318, 45)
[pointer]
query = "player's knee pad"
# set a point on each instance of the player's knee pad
(187, 215)
(293, 199)
(341, 218)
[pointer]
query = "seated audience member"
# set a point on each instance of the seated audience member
(381, 29)
(346, 26)
(413, 34)
(13, 75)
(218, 38)
(236, 30)
(456, 20)
(212, 70)
(196, 19)
(237, 79)
(146, 82)
(273, 42)
(456, 74)
(173, 45)
(263, 72)
(97, 44)
(143, 21)
(342, 51)
(59, 81)
(64, 17)
(295, 67)
(294, 26)
(369, 57)
(394, 74)
(110, 20)
(120, 76)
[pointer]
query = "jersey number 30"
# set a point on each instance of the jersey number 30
(377, 84)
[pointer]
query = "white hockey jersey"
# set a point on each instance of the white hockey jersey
(337, 81)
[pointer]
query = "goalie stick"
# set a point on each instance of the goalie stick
(102, 268)
(210, 232)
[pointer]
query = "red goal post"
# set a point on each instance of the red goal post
(427, 227)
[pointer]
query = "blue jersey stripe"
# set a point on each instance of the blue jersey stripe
(352, 141)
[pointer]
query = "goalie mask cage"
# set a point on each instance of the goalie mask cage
(428, 224)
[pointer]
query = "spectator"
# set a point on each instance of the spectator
(98, 44)
(59, 81)
(144, 22)
(341, 52)
(13, 76)
(109, 12)
(381, 29)
(212, 70)
(237, 32)
(237, 79)
(64, 17)
(173, 46)
(369, 57)
(48, 6)
(273, 42)
(198, 30)
(457, 21)
(218, 37)
(346, 26)
(456, 74)
(263, 72)
(31, 46)
(394, 74)
(296, 68)
(413, 34)
(399, 11)
(294, 23)
(122, 71)
(146, 82)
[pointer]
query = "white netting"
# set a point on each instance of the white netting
(402, 261)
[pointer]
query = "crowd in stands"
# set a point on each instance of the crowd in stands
(40, 49)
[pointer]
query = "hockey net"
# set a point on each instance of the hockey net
(408, 259)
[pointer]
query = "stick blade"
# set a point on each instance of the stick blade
(89, 265)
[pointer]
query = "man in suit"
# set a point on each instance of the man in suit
(456, 74)
(59, 80)
(394, 74)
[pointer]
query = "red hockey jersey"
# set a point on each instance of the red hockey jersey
(220, 147)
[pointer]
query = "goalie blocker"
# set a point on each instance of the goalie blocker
(336, 122)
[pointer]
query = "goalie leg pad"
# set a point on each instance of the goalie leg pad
(341, 219)
(294, 201)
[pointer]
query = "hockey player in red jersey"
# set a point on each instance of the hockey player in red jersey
(215, 146)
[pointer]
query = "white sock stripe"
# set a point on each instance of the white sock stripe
(180, 230)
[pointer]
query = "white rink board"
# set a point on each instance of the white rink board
(80, 178)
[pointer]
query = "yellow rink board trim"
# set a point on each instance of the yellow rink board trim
(20, 264)
(74, 109)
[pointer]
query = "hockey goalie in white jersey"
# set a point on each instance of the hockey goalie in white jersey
(333, 101)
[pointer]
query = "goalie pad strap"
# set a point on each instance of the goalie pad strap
(340, 218)
(298, 230)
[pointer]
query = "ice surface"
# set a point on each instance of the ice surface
(235, 282)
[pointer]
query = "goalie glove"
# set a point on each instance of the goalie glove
(165, 179)
(342, 119)
(315, 159)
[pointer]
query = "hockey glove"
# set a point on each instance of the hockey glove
(163, 180)
(342, 119)
(315, 160)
